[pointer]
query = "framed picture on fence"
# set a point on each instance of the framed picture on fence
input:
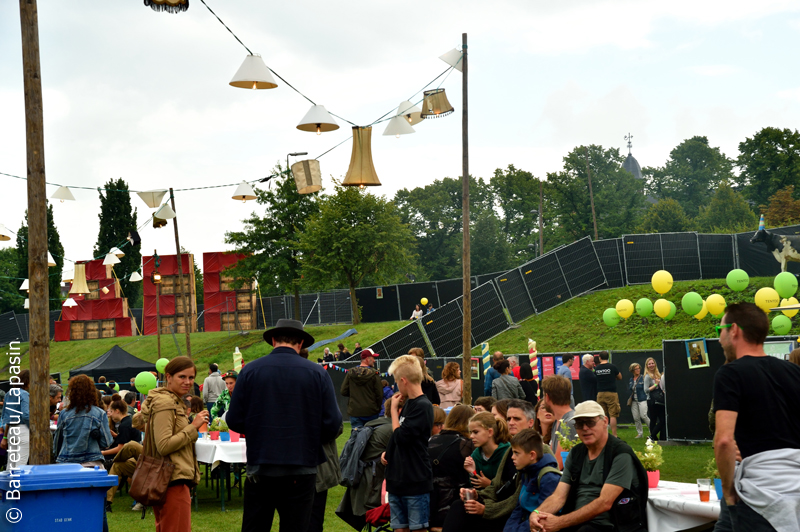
(474, 366)
(697, 353)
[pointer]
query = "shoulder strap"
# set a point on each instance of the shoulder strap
(544, 471)
(444, 450)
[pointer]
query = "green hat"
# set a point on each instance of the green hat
(231, 374)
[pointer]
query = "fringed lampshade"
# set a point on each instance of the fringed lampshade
(244, 192)
(307, 176)
(410, 112)
(318, 119)
(398, 126)
(253, 74)
(168, 6)
(435, 104)
(79, 285)
(361, 172)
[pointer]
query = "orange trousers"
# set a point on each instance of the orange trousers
(175, 515)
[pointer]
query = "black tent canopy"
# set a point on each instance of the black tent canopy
(115, 365)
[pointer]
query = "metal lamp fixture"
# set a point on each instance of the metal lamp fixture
(135, 277)
(398, 126)
(110, 260)
(79, 285)
(168, 6)
(5, 234)
(244, 192)
(63, 193)
(435, 104)
(318, 119)
(307, 176)
(361, 172)
(253, 74)
(152, 197)
(410, 112)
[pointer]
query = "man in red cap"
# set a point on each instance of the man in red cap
(363, 386)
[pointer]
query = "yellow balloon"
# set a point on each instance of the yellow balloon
(625, 308)
(424, 301)
(715, 304)
(662, 308)
(662, 281)
(790, 301)
(702, 314)
(766, 298)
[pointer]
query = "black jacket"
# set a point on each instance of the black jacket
(409, 469)
(447, 451)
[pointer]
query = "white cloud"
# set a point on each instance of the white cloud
(715, 70)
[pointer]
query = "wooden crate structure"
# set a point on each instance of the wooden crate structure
(226, 306)
(173, 299)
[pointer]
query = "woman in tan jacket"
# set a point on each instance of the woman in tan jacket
(173, 437)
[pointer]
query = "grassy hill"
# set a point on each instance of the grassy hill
(576, 325)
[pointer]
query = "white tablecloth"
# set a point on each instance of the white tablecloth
(676, 506)
(210, 451)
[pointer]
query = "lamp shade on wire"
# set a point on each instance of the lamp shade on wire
(50, 261)
(410, 112)
(66, 277)
(318, 120)
(25, 285)
(27, 303)
(152, 197)
(244, 192)
(79, 285)
(453, 58)
(307, 176)
(398, 126)
(435, 104)
(110, 259)
(116, 251)
(135, 277)
(62, 193)
(165, 212)
(70, 303)
(361, 172)
(168, 6)
(5, 234)
(253, 74)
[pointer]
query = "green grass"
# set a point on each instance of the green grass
(683, 463)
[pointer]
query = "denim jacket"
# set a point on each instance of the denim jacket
(81, 435)
(641, 395)
(16, 407)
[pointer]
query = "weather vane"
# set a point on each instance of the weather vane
(628, 137)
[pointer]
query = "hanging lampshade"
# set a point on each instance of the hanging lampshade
(244, 192)
(155, 277)
(253, 74)
(50, 261)
(318, 119)
(168, 6)
(361, 172)
(307, 176)
(25, 285)
(152, 197)
(110, 259)
(116, 251)
(27, 303)
(5, 234)
(79, 285)
(135, 277)
(435, 104)
(63, 193)
(66, 277)
(398, 126)
(165, 212)
(158, 223)
(134, 238)
(70, 303)
(453, 58)
(105, 290)
(410, 112)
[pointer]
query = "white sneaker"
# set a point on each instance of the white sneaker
(137, 507)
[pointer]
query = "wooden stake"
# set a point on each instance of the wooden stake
(466, 370)
(187, 314)
(591, 194)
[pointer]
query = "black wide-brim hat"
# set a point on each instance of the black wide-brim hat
(289, 328)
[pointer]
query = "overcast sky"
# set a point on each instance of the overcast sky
(141, 95)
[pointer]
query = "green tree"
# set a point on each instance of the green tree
(666, 216)
(768, 162)
(53, 246)
(727, 212)
(355, 234)
(783, 209)
(117, 219)
(270, 241)
(10, 296)
(489, 250)
(692, 173)
(618, 196)
(517, 195)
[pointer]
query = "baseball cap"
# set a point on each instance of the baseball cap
(368, 353)
(588, 409)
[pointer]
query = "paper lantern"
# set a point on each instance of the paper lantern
(787, 302)
(766, 298)
(361, 172)
(624, 308)
(737, 280)
(785, 284)
(253, 74)
(307, 176)
(662, 281)
(435, 104)
(692, 303)
(244, 192)
(715, 304)
(410, 112)
(644, 307)
(662, 308)
(318, 120)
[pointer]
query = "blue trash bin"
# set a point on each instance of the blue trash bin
(55, 497)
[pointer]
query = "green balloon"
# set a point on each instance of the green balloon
(737, 280)
(781, 324)
(145, 381)
(644, 307)
(785, 284)
(161, 363)
(610, 317)
(672, 310)
(692, 303)
(116, 386)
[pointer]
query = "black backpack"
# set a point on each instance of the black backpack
(350, 460)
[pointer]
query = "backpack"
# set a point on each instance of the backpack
(350, 461)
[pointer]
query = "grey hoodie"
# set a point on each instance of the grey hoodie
(212, 387)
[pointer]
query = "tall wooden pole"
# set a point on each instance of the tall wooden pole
(466, 370)
(591, 194)
(158, 310)
(541, 231)
(40, 440)
(184, 296)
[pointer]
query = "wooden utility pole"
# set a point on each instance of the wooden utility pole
(184, 296)
(591, 194)
(541, 232)
(40, 440)
(466, 370)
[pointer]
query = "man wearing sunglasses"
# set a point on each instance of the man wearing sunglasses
(604, 486)
(756, 404)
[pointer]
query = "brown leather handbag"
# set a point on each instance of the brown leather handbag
(152, 475)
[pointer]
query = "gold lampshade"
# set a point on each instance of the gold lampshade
(361, 172)
(158, 223)
(79, 285)
(307, 176)
(435, 104)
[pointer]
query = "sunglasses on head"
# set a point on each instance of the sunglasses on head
(586, 422)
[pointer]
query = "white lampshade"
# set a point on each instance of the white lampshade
(410, 112)
(244, 192)
(70, 303)
(165, 212)
(110, 259)
(253, 74)
(63, 193)
(105, 290)
(27, 303)
(67, 277)
(135, 276)
(398, 126)
(25, 285)
(152, 197)
(50, 261)
(116, 251)
(453, 58)
(5, 234)
(318, 120)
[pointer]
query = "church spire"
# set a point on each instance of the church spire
(628, 137)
